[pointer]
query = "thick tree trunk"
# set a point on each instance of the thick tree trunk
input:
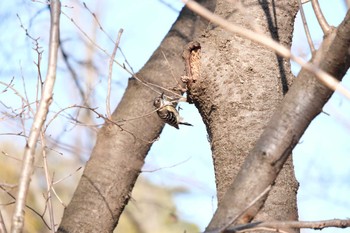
(240, 86)
(119, 153)
(302, 103)
(211, 91)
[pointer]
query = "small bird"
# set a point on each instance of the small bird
(167, 112)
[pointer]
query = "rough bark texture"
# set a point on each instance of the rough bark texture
(241, 85)
(118, 155)
(301, 105)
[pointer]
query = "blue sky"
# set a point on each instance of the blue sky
(321, 159)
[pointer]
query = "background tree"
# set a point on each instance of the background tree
(237, 89)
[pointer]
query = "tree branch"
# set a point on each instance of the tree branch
(39, 119)
(110, 71)
(2, 224)
(306, 28)
(278, 225)
(320, 17)
(118, 156)
(48, 182)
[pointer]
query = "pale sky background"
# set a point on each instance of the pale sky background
(321, 159)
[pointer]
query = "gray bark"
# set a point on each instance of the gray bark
(240, 86)
(303, 102)
(119, 153)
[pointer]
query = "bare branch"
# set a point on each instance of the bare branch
(58, 181)
(39, 119)
(306, 27)
(15, 158)
(278, 225)
(166, 167)
(29, 207)
(323, 77)
(320, 17)
(2, 224)
(16, 92)
(9, 186)
(108, 36)
(98, 23)
(58, 198)
(48, 181)
(171, 70)
(143, 82)
(110, 71)
(66, 177)
(71, 70)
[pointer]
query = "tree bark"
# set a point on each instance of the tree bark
(300, 106)
(119, 153)
(240, 86)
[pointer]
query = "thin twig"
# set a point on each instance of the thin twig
(166, 167)
(62, 110)
(260, 229)
(306, 27)
(26, 94)
(39, 119)
(138, 117)
(58, 181)
(23, 99)
(48, 181)
(14, 157)
(98, 23)
(71, 70)
(7, 185)
(58, 198)
(110, 72)
(107, 35)
(39, 51)
(328, 80)
(116, 123)
(320, 17)
(66, 177)
(170, 68)
(2, 224)
(145, 83)
(29, 207)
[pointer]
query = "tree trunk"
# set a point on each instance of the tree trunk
(241, 84)
(270, 152)
(119, 153)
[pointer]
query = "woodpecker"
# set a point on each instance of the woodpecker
(167, 112)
